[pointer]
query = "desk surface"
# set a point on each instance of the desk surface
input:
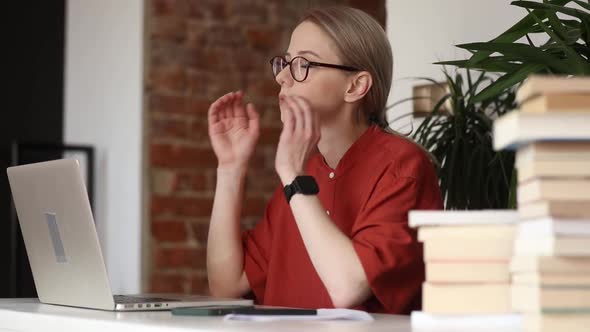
(29, 315)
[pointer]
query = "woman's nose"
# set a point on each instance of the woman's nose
(284, 77)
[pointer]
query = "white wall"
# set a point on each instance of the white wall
(103, 107)
(424, 31)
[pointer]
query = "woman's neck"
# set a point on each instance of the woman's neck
(337, 139)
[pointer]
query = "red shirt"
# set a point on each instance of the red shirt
(368, 196)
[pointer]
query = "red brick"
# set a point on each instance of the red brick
(189, 182)
(168, 283)
(270, 135)
(169, 7)
(199, 183)
(198, 131)
(172, 231)
(181, 206)
(168, 28)
(211, 59)
(165, 52)
(262, 38)
(198, 82)
(224, 36)
(270, 114)
(196, 35)
(373, 8)
(259, 160)
(169, 128)
(167, 79)
(199, 106)
(162, 155)
(214, 9)
(199, 285)
(200, 232)
(249, 12)
(268, 88)
(215, 84)
(261, 181)
(249, 60)
(180, 258)
(168, 104)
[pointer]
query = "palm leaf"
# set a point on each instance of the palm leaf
(507, 81)
(550, 7)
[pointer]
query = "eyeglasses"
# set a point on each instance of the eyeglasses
(299, 66)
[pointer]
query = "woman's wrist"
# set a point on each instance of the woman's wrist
(288, 176)
(232, 171)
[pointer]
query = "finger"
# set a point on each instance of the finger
(298, 117)
(315, 120)
(308, 125)
(253, 119)
(289, 121)
(214, 109)
(317, 126)
(226, 110)
(238, 105)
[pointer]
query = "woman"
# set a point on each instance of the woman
(335, 232)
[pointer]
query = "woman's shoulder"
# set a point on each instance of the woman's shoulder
(400, 154)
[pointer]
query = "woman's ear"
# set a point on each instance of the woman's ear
(358, 87)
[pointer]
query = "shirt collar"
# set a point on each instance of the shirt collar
(354, 153)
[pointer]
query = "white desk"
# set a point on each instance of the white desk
(20, 315)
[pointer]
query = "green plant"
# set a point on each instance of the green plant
(472, 175)
(566, 51)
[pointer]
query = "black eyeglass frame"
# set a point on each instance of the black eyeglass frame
(310, 63)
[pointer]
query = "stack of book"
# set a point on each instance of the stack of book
(551, 264)
(467, 256)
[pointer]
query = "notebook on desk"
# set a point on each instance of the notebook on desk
(62, 244)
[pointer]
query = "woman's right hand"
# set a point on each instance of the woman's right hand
(233, 129)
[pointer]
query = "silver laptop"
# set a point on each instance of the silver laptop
(62, 244)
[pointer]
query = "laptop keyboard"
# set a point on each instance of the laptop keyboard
(140, 299)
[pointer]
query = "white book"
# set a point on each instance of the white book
(552, 151)
(466, 298)
(560, 322)
(556, 209)
(418, 218)
(458, 322)
(577, 279)
(552, 246)
(553, 189)
(549, 264)
(555, 169)
(545, 227)
(468, 271)
(472, 231)
(535, 299)
(517, 129)
(468, 249)
(536, 85)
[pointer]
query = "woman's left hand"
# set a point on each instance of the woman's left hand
(299, 138)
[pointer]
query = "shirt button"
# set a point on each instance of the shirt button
(328, 212)
(331, 175)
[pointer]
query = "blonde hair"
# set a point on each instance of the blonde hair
(361, 43)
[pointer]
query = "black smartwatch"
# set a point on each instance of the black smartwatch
(303, 184)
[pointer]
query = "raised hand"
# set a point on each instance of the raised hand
(299, 138)
(233, 129)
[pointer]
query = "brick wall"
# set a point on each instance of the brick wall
(197, 51)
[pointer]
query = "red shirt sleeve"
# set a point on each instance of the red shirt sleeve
(257, 244)
(387, 247)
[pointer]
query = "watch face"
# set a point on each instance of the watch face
(307, 185)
